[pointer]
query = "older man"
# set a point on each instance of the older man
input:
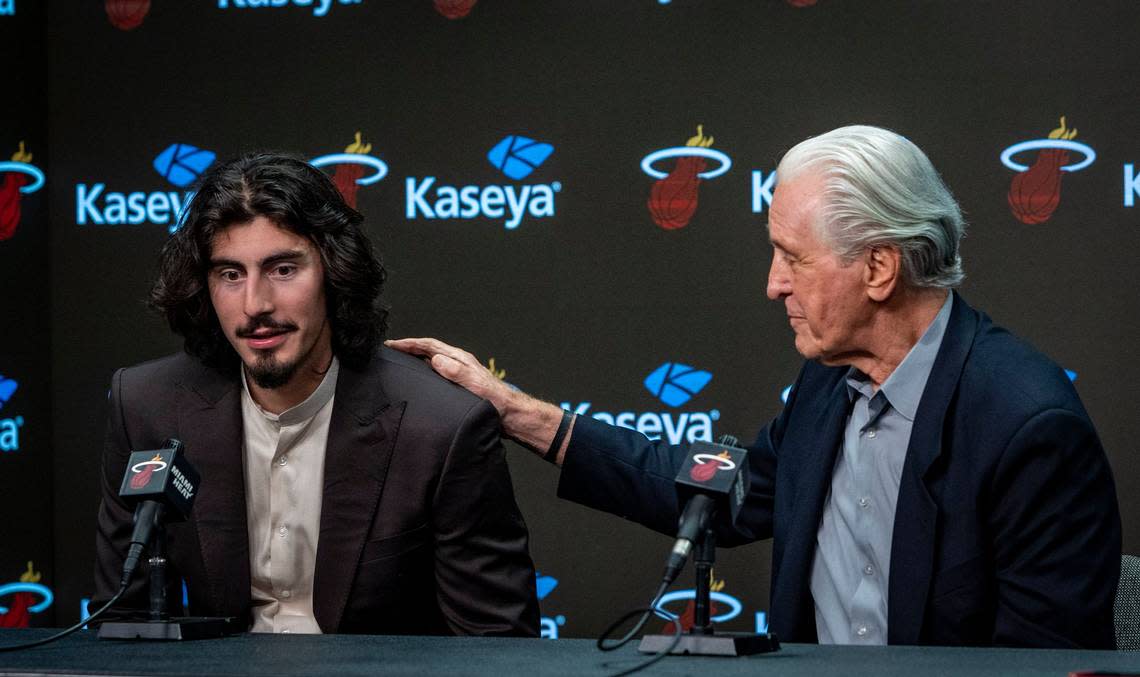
(932, 478)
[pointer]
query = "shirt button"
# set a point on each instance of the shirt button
(864, 502)
(861, 631)
(871, 433)
(868, 570)
(283, 531)
(283, 460)
(286, 594)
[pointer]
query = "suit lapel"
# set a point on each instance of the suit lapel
(916, 514)
(816, 455)
(211, 429)
(362, 436)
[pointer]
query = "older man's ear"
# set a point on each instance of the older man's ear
(882, 271)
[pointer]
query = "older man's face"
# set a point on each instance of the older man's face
(824, 298)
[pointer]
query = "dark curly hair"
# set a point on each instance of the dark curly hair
(297, 196)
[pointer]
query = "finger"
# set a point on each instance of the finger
(446, 366)
(421, 346)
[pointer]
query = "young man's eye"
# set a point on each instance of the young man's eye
(285, 270)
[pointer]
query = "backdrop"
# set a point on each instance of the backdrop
(576, 190)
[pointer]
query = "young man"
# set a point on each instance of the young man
(344, 486)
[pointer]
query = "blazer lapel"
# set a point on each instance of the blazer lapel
(362, 436)
(916, 514)
(211, 430)
(816, 453)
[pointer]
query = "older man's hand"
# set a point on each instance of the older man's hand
(525, 419)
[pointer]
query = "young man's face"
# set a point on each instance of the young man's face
(267, 288)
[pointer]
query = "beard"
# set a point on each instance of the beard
(268, 373)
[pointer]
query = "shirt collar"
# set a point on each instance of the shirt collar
(903, 388)
(307, 409)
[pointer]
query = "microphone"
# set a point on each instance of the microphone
(712, 479)
(162, 484)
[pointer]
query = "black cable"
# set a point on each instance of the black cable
(65, 633)
(646, 613)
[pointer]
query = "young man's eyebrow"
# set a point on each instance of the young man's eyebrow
(288, 255)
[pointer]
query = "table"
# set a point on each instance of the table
(310, 655)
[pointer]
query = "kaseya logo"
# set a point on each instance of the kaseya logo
(517, 157)
(9, 425)
(674, 384)
(353, 168)
(17, 178)
(673, 198)
(1036, 190)
(7, 7)
(548, 625)
(27, 596)
(320, 7)
(179, 164)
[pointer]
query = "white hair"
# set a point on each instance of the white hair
(880, 189)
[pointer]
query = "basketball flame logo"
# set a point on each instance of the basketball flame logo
(346, 176)
(10, 186)
(127, 14)
(1035, 192)
(688, 616)
(142, 477)
(703, 471)
(673, 199)
(18, 614)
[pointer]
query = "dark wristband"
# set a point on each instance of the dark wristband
(552, 453)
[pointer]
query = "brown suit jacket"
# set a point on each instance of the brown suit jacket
(420, 533)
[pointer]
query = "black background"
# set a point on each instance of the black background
(580, 306)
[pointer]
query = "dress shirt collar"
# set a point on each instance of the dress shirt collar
(903, 388)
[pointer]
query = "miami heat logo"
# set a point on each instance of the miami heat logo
(673, 198)
(707, 465)
(454, 9)
(24, 600)
(1036, 190)
(351, 167)
(145, 470)
(17, 178)
(722, 606)
(126, 14)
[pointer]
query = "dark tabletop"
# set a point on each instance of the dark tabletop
(281, 655)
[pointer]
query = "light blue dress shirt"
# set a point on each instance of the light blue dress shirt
(851, 568)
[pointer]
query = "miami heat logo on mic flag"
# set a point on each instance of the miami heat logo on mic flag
(16, 177)
(127, 14)
(23, 602)
(705, 468)
(1035, 191)
(142, 475)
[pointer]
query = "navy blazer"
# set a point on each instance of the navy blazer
(1007, 530)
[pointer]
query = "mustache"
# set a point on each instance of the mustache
(264, 323)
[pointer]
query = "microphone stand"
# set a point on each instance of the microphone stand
(702, 639)
(159, 624)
